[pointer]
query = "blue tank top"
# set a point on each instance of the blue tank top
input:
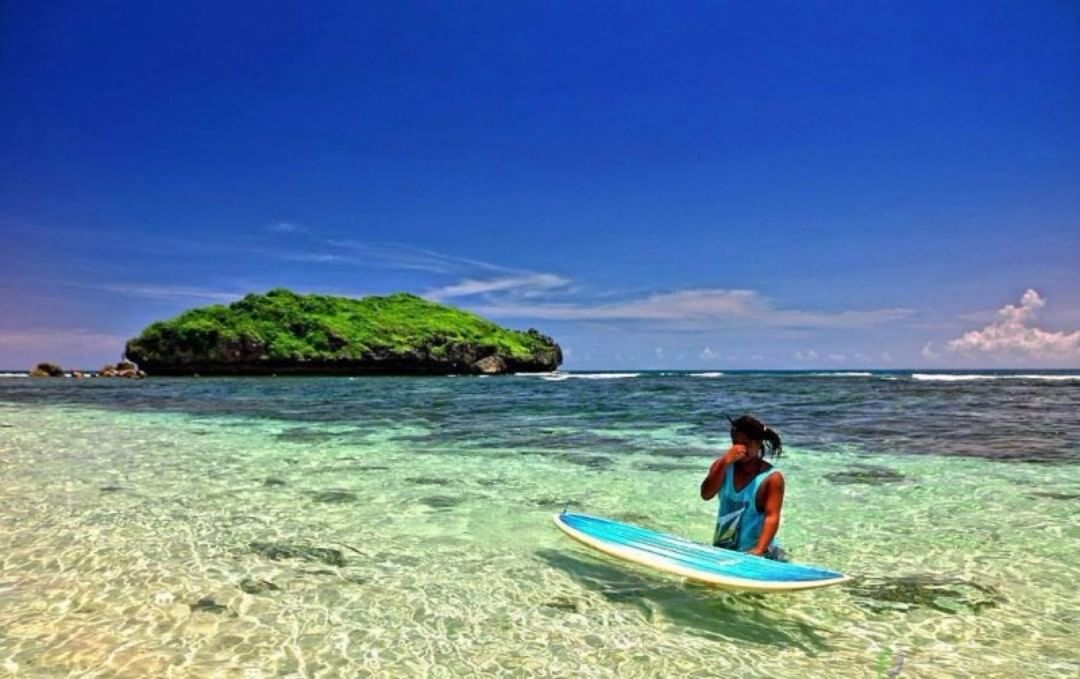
(738, 521)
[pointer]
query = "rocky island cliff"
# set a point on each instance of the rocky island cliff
(282, 332)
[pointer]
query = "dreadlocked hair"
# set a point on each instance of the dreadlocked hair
(758, 431)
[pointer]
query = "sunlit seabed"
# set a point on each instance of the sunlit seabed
(170, 544)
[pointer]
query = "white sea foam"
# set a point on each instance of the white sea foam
(598, 376)
(713, 374)
(14, 375)
(928, 377)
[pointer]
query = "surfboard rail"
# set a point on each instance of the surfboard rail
(671, 554)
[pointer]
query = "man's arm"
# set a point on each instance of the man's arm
(715, 478)
(774, 500)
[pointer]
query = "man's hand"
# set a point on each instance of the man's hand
(756, 551)
(735, 453)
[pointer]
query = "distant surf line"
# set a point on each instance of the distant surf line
(953, 377)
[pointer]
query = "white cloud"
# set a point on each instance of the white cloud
(401, 256)
(504, 292)
(1012, 336)
(808, 355)
(172, 292)
(716, 306)
(527, 284)
(61, 339)
(886, 357)
(928, 351)
(837, 358)
(708, 353)
(659, 351)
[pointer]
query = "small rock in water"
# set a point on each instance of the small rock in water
(441, 501)
(946, 595)
(253, 586)
(427, 481)
(208, 605)
(669, 467)
(1054, 495)
(47, 370)
(304, 435)
(590, 461)
(866, 474)
(271, 481)
(111, 489)
(275, 551)
(563, 603)
(552, 503)
(333, 496)
(632, 517)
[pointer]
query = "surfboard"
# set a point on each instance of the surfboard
(691, 560)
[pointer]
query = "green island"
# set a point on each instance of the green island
(282, 332)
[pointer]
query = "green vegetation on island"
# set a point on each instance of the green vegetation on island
(282, 332)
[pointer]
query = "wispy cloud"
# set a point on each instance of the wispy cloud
(528, 284)
(929, 352)
(1012, 336)
(716, 306)
(402, 256)
(474, 277)
(61, 338)
(171, 292)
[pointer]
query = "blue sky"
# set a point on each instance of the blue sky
(679, 185)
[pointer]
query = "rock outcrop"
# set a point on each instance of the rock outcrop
(47, 370)
(282, 332)
(124, 368)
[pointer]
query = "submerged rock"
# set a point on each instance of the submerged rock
(672, 467)
(304, 435)
(943, 594)
(427, 481)
(111, 489)
(597, 462)
(208, 605)
(272, 481)
(258, 586)
(553, 503)
(333, 496)
(276, 551)
(441, 501)
(866, 474)
(563, 603)
(1055, 495)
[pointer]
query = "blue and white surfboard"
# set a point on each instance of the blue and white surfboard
(693, 561)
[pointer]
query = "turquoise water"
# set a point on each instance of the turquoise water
(401, 527)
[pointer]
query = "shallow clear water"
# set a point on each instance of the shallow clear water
(401, 527)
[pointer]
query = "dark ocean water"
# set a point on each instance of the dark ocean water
(1027, 416)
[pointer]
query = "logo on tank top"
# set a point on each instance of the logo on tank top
(727, 529)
